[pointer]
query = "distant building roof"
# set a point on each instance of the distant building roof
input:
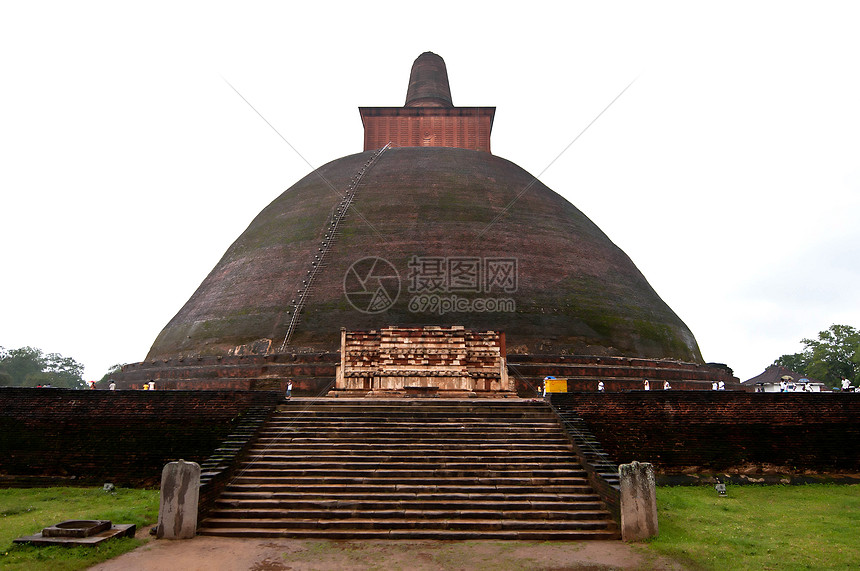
(775, 373)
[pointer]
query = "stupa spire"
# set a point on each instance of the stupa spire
(428, 83)
(429, 118)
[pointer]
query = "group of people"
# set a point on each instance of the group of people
(148, 386)
(646, 385)
(802, 387)
(718, 386)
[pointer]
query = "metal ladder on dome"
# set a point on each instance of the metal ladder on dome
(332, 223)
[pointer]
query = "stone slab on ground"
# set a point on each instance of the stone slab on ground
(119, 530)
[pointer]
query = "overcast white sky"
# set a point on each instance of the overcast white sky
(729, 171)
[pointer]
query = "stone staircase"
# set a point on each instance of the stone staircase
(589, 447)
(411, 469)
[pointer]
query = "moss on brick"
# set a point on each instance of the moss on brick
(575, 285)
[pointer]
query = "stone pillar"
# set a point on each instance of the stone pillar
(339, 380)
(180, 493)
(638, 501)
(504, 381)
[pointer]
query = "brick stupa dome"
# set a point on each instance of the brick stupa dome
(436, 201)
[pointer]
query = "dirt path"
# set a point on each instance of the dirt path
(216, 554)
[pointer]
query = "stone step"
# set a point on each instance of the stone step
(441, 419)
(474, 434)
(403, 515)
(312, 459)
(408, 523)
(495, 464)
(400, 474)
(394, 414)
(383, 478)
(422, 448)
(408, 488)
(302, 497)
(449, 430)
(425, 427)
(404, 453)
(422, 403)
(413, 534)
(370, 413)
(395, 440)
(328, 509)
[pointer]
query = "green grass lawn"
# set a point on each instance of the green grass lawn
(761, 527)
(27, 511)
(755, 527)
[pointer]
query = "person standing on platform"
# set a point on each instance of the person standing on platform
(646, 385)
(600, 386)
(289, 392)
(543, 385)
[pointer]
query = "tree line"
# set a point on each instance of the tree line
(29, 367)
(834, 355)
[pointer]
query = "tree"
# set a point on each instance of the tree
(64, 372)
(28, 367)
(20, 363)
(798, 362)
(834, 355)
(103, 382)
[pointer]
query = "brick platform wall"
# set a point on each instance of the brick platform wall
(617, 373)
(312, 373)
(720, 429)
(124, 437)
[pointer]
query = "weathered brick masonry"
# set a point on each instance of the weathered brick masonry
(124, 437)
(720, 429)
(312, 373)
(617, 373)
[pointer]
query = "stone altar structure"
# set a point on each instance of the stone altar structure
(422, 361)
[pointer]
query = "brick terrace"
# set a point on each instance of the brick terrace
(124, 437)
(715, 430)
